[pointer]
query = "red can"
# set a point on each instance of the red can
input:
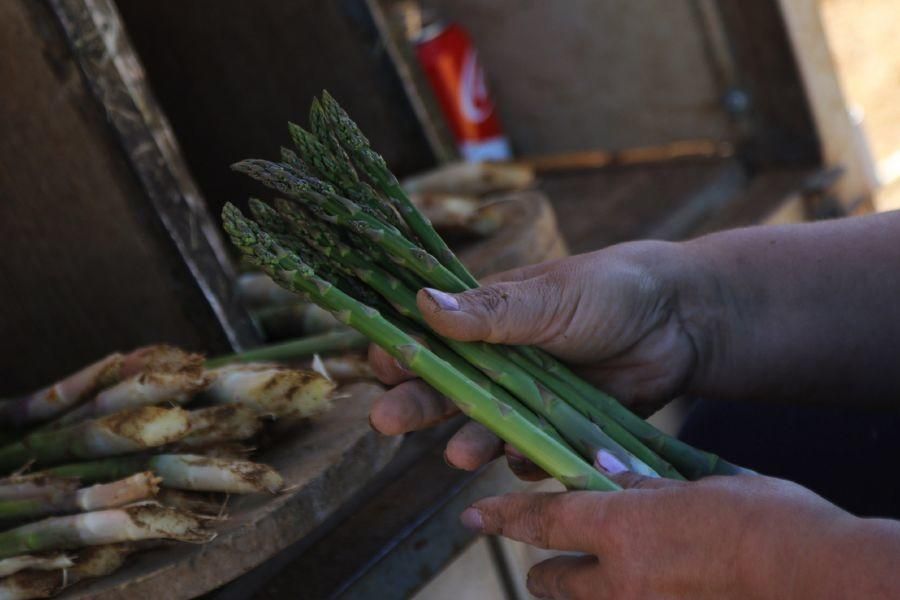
(451, 64)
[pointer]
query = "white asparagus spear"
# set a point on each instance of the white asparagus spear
(207, 474)
(46, 562)
(219, 424)
(171, 376)
(272, 391)
(92, 563)
(471, 179)
(120, 433)
(133, 523)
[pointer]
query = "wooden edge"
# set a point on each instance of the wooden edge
(529, 235)
(100, 46)
(841, 140)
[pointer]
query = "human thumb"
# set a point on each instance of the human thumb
(509, 312)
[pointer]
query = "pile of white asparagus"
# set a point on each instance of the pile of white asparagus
(132, 451)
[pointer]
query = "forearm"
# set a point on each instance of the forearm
(858, 558)
(805, 312)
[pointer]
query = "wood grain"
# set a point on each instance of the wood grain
(88, 267)
(230, 74)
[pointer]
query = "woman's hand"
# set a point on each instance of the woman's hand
(722, 537)
(619, 315)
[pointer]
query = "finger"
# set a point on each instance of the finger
(388, 369)
(521, 467)
(562, 521)
(631, 480)
(472, 446)
(410, 406)
(505, 313)
(522, 273)
(564, 577)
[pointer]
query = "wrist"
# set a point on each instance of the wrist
(705, 308)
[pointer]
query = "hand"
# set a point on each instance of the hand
(614, 314)
(722, 537)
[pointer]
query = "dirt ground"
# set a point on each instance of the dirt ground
(866, 47)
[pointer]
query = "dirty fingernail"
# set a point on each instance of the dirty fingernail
(471, 519)
(609, 463)
(442, 300)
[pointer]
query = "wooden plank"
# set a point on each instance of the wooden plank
(778, 126)
(88, 266)
(117, 80)
(323, 466)
(842, 143)
(584, 74)
(603, 207)
(230, 74)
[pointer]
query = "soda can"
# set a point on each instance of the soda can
(450, 63)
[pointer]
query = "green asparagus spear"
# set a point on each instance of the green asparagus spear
(473, 400)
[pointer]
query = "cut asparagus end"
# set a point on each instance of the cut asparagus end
(200, 503)
(163, 374)
(347, 368)
(91, 563)
(140, 486)
(207, 474)
(218, 424)
(140, 522)
(159, 359)
(128, 524)
(273, 391)
(47, 562)
(147, 427)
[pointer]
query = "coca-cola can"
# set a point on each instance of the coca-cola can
(451, 65)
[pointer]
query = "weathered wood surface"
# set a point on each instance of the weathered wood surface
(585, 74)
(529, 235)
(230, 74)
(88, 267)
(323, 465)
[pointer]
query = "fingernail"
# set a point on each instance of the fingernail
(442, 300)
(401, 367)
(448, 463)
(517, 464)
(471, 519)
(609, 463)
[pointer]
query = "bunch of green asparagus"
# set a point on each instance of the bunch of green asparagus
(342, 233)
(136, 447)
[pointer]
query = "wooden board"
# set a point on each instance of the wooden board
(89, 267)
(229, 74)
(322, 466)
(584, 74)
(529, 235)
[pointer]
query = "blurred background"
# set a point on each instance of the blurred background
(600, 121)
